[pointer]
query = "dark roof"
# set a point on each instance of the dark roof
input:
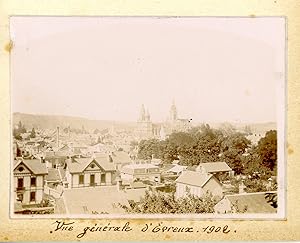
(51, 154)
(215, 167)
(33, 165)
(193, 178)
(80, 164)
(254, 202)
(53, 175)
(120, 157)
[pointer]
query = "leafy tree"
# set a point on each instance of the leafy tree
(233, 147)
(18, 131)
(33, 134)
(267, 150)
(255, 185)
(149, 148)
(166, 203)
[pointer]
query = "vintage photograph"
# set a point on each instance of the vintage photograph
(148, 117)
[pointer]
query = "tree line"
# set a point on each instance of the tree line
(206, 144)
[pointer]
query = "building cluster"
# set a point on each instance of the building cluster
(92, 173)
(146, 129)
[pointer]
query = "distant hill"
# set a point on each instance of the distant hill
(259, 127)
(53, 121)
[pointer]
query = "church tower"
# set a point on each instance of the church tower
(173, 112)
(142, 113)
(144, 125)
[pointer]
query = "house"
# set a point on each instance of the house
(90, 172)
(29, 180)
(177, 169)
(197, 184)
(120, 158)
(216, 168)
(245, 202)
(56, 158)
(141, 172)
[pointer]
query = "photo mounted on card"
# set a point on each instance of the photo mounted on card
(148, 117)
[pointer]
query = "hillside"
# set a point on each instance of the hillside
(52, 121)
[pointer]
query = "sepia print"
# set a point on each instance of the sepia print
(148, 117)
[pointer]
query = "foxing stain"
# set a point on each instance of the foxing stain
(8, 46)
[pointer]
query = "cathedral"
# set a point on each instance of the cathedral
(146, 129)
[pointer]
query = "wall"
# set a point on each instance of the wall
(214, 187)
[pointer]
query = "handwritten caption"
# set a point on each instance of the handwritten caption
(160, 227)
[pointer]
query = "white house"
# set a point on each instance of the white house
(197, 184)
(213, 167)
(90, 172)
(133, 172)
(28, 181)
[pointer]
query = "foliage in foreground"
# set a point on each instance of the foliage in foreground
(156, 202)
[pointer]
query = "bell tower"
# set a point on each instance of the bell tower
(173, 112)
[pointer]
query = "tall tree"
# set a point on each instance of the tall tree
(33, 134)
(267, 149)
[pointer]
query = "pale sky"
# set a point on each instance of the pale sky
(216, 69)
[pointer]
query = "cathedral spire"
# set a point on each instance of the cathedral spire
(147, 117)
(142, 113)
(173, 111)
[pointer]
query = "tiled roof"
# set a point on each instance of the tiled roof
(53, 175)
(254, 202)
(193, 178)
(34, 165)
(215, 167)
(79, 165)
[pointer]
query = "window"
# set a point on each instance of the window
(20, 169)
(20, 183)
(81, 179)
(32, 196)
(102, 178)
(92, 166)
(33, 181)
(92, 180)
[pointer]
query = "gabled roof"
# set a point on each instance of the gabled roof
(194, 178)
(211, 167)
(78, 165)
(34, 165)
(254, 202)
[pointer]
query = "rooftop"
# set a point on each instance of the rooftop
(215, 167)
(78, 165)
(34, 165)
(53, 175)
(193, 178)
(254, 202)
(86, 200)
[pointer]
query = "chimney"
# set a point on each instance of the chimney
(110, 159)
(242, 187)
(42, 159)
(119, 184)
